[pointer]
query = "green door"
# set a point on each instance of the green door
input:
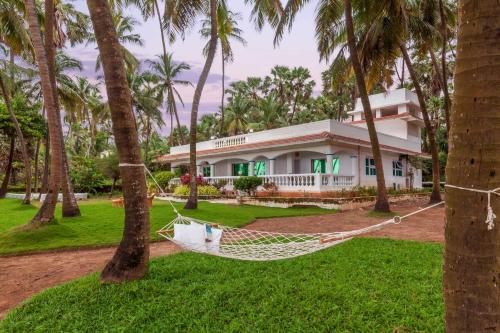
(240, 169)
(259, 168)
(318, 166)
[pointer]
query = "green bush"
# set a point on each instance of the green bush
(85, 175)
(163, 177)
(247, 184)
(209, 190)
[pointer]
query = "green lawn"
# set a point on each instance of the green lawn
(365, 285)
(101, 224)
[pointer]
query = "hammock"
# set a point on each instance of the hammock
(256, 245)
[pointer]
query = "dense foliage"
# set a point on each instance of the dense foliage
(207, 190)
(247, 184)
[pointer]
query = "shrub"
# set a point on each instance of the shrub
(85, 175)
(163, 178)
(210, 190)
(185, 179)
(247, 184)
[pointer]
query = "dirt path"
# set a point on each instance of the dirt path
(24, 276)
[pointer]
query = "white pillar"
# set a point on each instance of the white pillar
(199, 170)
(272, 171)
(378, 113)
(251, 165)
(329, 168)
(289, 163)
(354, 169)
(212, 170)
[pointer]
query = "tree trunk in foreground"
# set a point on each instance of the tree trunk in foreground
(69, 205)
(8, 168)
(192, 202)
(46, 212)
(472, 252)
(444, 77)
(24, 147)
(382, 204)
(130, 260)
(436, 178)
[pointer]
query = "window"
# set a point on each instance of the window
(206, 171)
(318, 166)
(240, 169)
(397, 168)
(370, 167)
(336, 165)
(259, 168)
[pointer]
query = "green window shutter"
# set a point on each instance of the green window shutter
(336, 166)
(318, 166)
(206, 171)
(240, 169)
(370, 169)
(259, 168)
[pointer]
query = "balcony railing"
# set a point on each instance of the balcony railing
(231, 141)
(313, 182)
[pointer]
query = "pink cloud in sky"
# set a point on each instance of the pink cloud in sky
(298, 48)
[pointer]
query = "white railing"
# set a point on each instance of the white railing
(313, 182)
(231, 141)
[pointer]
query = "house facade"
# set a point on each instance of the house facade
(321, 156)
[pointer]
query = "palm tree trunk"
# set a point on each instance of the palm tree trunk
(46, 168)
(37, 158)
(130, 260)
(174, 109)
(171, 129)
(382, 203)
(161, 29)
(222, 95)
(472, 255)
(69, 206)
(447, 100)
(24, 147)
(436, 178)
(46, 212)
(192, 202)
(8, 169)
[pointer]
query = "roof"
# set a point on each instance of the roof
(318, 137)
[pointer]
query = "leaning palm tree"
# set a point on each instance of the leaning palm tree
(167, 72)
(46, 212)
(472, 256)
(130, 260)
(180, 16)
(227, 30)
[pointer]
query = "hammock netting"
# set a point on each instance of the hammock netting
(255, 245)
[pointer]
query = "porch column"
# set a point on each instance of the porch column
(251, 165)
(378, 113)
(271, 166)
(289, 163)
(354, 169)
(329, 168)
(212, 170)
(173, 169)
(199, 170)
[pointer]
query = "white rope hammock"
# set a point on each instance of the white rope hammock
(246, 244)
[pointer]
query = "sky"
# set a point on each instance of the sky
(298, 48)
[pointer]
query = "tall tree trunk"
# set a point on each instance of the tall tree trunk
(436, 178)
(130, 260)
(192, 202)
(174, 109)
(8, 168)
(24, 147)
(69, 206)
(162, 34)
(46, 211)
(447, 100)
(472, 252)
(46, 167)
(37, 158)
(382, 204)
(221, 132)
(171, 129)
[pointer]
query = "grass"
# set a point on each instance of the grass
(373, 213)
(101, 224)
(365, 285)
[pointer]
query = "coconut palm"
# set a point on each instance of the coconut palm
(270, 114)
(237, 115)
(46, 212)
(168, 73)
(124, 28)
(227, 31)
(472, 256)
(180, 16)
(130, 260)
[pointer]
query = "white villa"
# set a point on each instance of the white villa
(321, 156)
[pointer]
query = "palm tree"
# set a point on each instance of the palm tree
(8, 167)
(237, 114)
(130, 260)
(271, 114)
(46, 212)
(179, 17)
(227, 30)
(167, 72)
(472, 256)
(124, 28)
(19, 133)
